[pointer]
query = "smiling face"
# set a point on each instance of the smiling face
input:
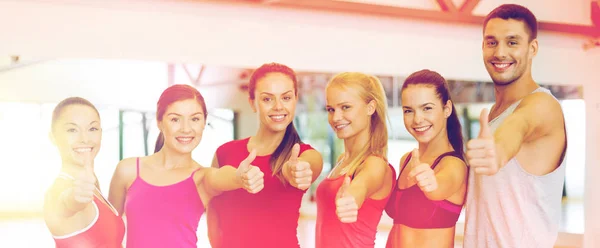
(507, 51)
(348, 113)
(182, 125)
(425, 117)
(77, 133)
(275, 101)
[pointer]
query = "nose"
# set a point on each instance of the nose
(418, 117)
(84, 136)
(500, 51)
(278, 105)
(336, 116)
(185, 127)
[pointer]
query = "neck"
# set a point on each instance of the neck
(266, 141)
(170, 159)
(508, 94)
(436, 147)
(354, 145)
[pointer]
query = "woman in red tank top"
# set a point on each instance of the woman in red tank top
(75, 211)
(269, 218)
(351, 200)
(431, 185)
(163, 195)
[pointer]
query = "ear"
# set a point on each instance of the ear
(51, 137)
(159, 124)
(448, 109)
(371, 106)
(533, 48)
(252, 102)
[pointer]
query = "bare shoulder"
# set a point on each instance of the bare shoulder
(376, 166)
(403, 160)
(451, 162)
(542, 105)
(126, 170)
(201, 171)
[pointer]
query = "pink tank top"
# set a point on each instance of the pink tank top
(410, 206)
(162, 216)
(332, 233)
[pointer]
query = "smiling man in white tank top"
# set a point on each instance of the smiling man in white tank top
(516, 177)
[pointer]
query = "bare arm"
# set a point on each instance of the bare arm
(228, 178)
(535, 117)
(124, 174)
(450, 174)
(369, 180)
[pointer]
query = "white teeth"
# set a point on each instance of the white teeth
(277, 117)
(89, 149)
(422, 129)
(501, 65)
(341, 126)
(184, 139)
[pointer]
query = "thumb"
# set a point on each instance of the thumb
(245, 164)
(484, 129)
(415, 157)
(295, 153)
(345, 189)
(88, 163)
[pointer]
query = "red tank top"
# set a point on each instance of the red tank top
(332, 233)
(410, 206)
(266, 219)
(106, 230)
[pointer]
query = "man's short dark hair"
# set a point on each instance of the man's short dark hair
(517, 12)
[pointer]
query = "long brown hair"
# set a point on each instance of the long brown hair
(283, 151)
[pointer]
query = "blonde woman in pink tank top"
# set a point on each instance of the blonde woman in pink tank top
(351, 200)
(163, 195)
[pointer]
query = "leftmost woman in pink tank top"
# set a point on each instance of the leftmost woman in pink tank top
(75, 212)
(163, 195)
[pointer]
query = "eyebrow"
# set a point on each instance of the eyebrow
(71, 123)
(176, 114)
(270, 94)
(422, 105)
(512, 36)
(341, 103)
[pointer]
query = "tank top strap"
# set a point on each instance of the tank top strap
(439, 158)
(405, 163)
(194, 172)
(137, 167)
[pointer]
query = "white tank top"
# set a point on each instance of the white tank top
(513, 208)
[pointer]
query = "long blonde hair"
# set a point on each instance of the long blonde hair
(369, 89)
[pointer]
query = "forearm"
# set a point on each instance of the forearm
(447, 186)
(508, 139)
(359, 193)
(66, 204)
(223, 179)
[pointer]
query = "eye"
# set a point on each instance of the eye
(330, 110)
(427, 108)
(71, 130)
(195, 119)
(174, 119)
(93, 129)
(406, 111)
(287, 98)
(491, 43)
(512, 43)
(266, 99)
(345, 107)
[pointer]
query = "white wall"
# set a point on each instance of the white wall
(245, 36)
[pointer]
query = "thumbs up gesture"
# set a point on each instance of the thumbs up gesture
(85, 182)
(251, 177)
(299, 171)
(345, 204)
(481, 151)
(422, 173)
